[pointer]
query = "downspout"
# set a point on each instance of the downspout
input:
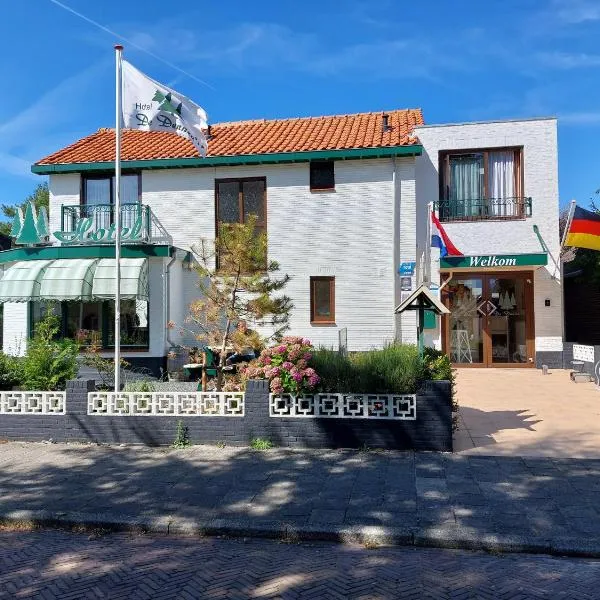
(167, 302)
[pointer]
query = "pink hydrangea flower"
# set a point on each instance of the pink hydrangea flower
(307, 356)
(306, 342)
(310, 372)
(267, 360)
(297, 376)
(281, 349)
(275, 372)
(287, 365)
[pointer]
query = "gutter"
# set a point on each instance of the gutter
(241, 159)
(167, 302)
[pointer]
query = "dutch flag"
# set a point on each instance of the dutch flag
(440, 239)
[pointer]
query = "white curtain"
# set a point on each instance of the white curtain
(466, 189)
(501, 183)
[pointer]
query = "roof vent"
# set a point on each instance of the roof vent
(208, 133)
(385, 123)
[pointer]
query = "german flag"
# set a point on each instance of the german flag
(584, 231)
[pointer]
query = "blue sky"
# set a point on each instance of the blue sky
(461, 60)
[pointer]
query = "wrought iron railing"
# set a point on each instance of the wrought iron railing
(97, 221)
(481, 209)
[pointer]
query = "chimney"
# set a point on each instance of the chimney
(385, 123)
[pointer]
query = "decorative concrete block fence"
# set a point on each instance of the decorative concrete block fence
(421, 421)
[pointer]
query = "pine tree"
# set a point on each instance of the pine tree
(28, 233)
(40, 198)
(237, 284)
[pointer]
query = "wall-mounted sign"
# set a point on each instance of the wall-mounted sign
(31, 228)
(405, 284)
(407, 268)
(485, 261)
(87, 231)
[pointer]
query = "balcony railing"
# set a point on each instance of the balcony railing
(483, 209)
(96, 222)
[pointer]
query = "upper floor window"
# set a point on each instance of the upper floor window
(482, 184)
(99, 189)
(237, 199)
(98, 197)
(322, 175)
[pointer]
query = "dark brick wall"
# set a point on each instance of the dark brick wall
(432, 430)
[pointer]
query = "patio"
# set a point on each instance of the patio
(521, 412)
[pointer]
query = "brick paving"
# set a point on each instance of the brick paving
(543, 505)
(59, 565)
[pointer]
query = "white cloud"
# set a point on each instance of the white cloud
(569, 60)
(581, 118)
(41, 127)
(576, 11)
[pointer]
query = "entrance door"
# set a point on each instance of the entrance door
(491, 319)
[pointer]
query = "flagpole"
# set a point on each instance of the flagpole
(117, 205)
(568, 223)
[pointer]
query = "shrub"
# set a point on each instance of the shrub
(182, 436)
(395, 368)
(337, 372)
(141, 386)
(49, 362)
(261, 444)
(286, 366)
(11, 371)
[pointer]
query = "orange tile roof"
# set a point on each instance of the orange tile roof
(338, 132)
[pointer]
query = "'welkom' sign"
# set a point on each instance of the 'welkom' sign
(494, 261)
(31, 228)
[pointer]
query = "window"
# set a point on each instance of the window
(97, 197)
(322, 175)
(322, 300)
(94, 322)
(237, 199)
(481, 184)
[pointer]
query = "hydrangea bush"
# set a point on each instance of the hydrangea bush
(286, 367)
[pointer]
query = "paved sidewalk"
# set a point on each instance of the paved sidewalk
(499, 503)
(66, 566)
(521, 412)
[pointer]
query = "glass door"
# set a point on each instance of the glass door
(466, 321)
(490, 319)
(508, 320)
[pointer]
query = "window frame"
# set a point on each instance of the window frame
(316, 163)
(314, 318)
(240, 181)
(104, 326)
(111, 176)
(444, 171)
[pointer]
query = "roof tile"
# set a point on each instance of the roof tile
(363, 130)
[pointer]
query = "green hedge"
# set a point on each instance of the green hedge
(396, 368)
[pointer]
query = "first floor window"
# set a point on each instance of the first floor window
(322, 299)
(94, 322)
(485, 183)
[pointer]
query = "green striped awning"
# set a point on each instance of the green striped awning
(68, 280)
(22, 281)
(134, 279)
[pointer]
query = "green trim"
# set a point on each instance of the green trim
(490, 261)
(101, 251)
(242, 159)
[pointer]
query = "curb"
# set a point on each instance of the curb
(371, 536)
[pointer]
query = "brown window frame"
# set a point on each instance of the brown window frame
(317, 163)
(444, 171)
(261, 225)
(314, 318)
(240, 181)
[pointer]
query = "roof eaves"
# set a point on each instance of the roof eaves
(242, 159)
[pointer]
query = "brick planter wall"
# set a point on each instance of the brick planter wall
(432, 429)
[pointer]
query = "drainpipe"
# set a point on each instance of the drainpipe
(167, 302)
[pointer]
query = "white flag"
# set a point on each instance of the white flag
(152, 106)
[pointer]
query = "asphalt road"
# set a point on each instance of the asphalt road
(69, 566)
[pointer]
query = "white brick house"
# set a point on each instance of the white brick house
(344, 200)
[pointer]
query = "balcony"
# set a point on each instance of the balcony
(484, 209)
(96, 223)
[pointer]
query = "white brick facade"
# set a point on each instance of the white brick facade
(538, 137)
(360, 233)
